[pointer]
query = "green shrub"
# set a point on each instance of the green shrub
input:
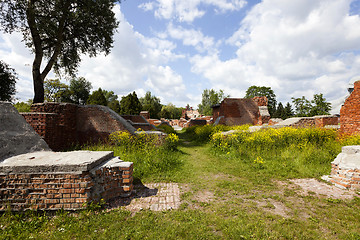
(22, 106)
(204, 133)
(153, 155)
(279, 153)
(171, 142)
(166, 128)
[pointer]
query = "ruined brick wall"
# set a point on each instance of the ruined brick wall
(45, 124)
(63, 125)
(94, 125)
(345, 177)
(70, 191)
(196, 122)
(134, 118)
(305, 122)
(239, 111)
(145, 114)
(216, 112)
(350, 112)
(322, 121)
(261, 101)
(59, 130)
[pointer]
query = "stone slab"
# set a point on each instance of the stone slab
(349, 158)
(16, 135)
(47, 162)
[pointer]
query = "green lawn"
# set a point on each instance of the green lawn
(230, 194)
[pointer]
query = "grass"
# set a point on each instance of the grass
(239, 190)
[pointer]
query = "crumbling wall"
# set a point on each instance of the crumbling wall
(350, 112)
(145, 114)
(345, 171)
(51, 181)
(239, 111)
(95, 123)
(322, 121)
(63, 125)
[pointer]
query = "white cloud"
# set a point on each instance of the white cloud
(191, 37)
(136, 63)
(298, 47)
(189, 10)
(133, 60)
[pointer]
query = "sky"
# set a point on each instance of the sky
(177, 48)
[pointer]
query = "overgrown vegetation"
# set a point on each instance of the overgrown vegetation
(245, 174)
(155, 157)
(281, 153)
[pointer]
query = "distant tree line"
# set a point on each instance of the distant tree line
(300, 107)
(78, 92)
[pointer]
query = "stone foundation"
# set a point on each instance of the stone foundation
(67, 180)
(345, 172)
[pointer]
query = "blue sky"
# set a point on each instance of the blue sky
(178, 48)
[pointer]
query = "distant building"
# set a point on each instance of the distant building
(189, 113)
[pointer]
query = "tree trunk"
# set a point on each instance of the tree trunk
(38, 87)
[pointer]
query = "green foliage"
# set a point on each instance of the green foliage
(152, 154)
(112, 100)
(151, 104)
(320, 106)
(170, 111)
(275, 139)
(209, 98)
(8, 78)
(282, 153)
(97, 98)
(283, 112)
(226, 193)
(166, 128)
(204, 133)
(130, 105)
(54, 90)
(306, 108)
(256, 91)
(171, 142)
(80, 90)
(302, 106)
(288, 110)
(23, 106)
(60, 31)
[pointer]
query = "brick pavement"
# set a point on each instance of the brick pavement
(153, 196)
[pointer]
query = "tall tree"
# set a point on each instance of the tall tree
(60, 31)
(151, 104)
(8, 78)
(97, 98)
(279, 112)
(256, 91)
(302, 106)
(288, 110)
(112, 101)
(130, 104)
(54, 90)
(80, 90)
(209, 98)
(170, 111)
(319, 105)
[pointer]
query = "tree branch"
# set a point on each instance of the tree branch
(58, 45)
